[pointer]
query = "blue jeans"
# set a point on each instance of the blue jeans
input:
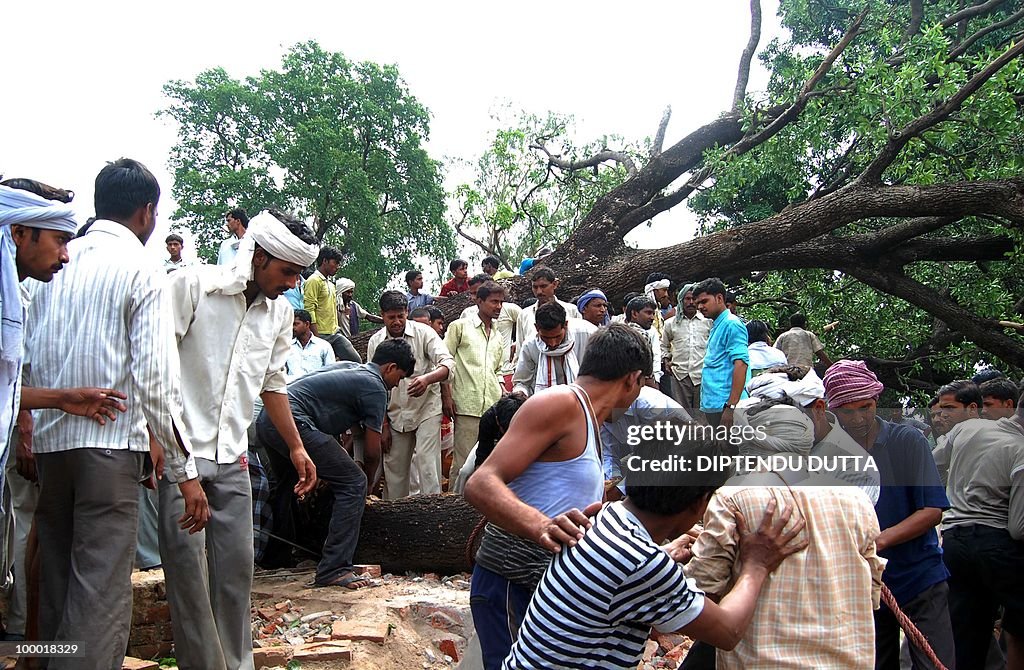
(499, 607)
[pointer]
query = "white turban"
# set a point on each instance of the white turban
(783, 429)
(28, 209)
(650, 288)
(274, 238)
(25, 209)
(344, 284)
(774, 385)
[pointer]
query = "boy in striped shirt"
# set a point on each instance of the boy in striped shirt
(598, 600)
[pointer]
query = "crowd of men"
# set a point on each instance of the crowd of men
(235, 391)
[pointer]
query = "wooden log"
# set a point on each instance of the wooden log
(417, 534)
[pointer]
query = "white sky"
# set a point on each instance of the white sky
(82, 80)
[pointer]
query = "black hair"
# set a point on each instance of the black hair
(767, 403)
(174, 237)
(639, 303)
(487, 289)
(964, 391)
(419, 313)
(303, 315)
(480, 278)
(395, 351)
(456, 264)
(294, 226)
(757, 331)
(657, 276)
(122, 188)
(986, 374)
(711, 286)
(239, 213)
(551, 315)
(616, 351)
(327, 254)
(393, 301)
(411, 275)
(434, 313)
(543, 272)
(670, 493)
(629, 296)
(933, 402)
(1000, 389)
(492, 261)
(798, 320)
(85, 227)
(40, 189)
(529, 302)
(494, 424)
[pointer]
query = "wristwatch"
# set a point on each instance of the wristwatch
(728, 406)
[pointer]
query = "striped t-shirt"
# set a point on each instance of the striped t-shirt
(597, 602)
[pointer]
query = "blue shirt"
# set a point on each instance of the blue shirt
(910, 481)
(419, 300)
(726, 345)
(294, 295)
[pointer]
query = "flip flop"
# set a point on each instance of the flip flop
(350, 578)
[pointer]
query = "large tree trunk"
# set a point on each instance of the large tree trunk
(418, 534)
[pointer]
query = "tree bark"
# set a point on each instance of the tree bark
(417, 534)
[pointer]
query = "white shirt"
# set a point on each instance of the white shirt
(228, 250)
(171, 266)
(229, 355)
(304, 359)
(10, 383)
(103, 321)
(684, 341)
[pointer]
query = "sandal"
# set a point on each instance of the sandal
(347, 580)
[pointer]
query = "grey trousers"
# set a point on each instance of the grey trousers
(418, 450)
(209, 574)
(86, 520)
(686, 393)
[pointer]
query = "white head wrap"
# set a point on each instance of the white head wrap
(343, 284)
(783, 429)
(26, 209)
(650, 288)
(274, 238)
(773, 385)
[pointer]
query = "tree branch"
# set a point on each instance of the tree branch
(659, 137)
(743, 76)
(971, 12)
(983, 332)
(992, 27)
(607, 155)
(916, 17)
(900, 138)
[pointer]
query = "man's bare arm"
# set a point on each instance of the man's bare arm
(539, 424)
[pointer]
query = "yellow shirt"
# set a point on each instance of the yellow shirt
(320, 301)
(478, 359)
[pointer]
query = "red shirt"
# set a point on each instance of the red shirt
(454, 286)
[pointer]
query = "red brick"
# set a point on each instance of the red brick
(138, 664)
(360, 630)
(156, 613)
(668, 640)
(339, 650)
(679, 651)
(447, 646)
(272, 656)
(372, 570)
(268, 613)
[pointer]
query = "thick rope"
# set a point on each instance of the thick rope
(913, 634)
(472, 544)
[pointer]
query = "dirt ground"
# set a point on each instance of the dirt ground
(421, 612)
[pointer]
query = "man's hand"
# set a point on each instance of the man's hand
(156, 455)
(680, 549)
(197, 509)
(769, 546)
(385, 438)
(306, 470)
(94, 403)
(25, 461)
(728, 416)
(448, 406)
(416, 387)
(565, 528)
